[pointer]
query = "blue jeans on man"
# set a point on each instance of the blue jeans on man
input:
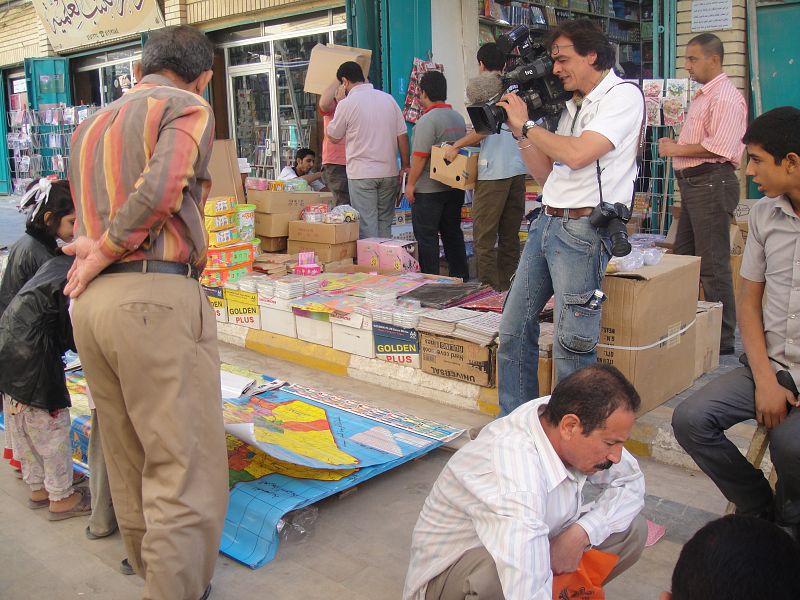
(565, 258)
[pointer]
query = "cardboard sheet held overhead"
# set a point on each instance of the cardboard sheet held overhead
(224, 168)
(325, 60)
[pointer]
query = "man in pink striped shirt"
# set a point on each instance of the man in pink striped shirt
(705, 158)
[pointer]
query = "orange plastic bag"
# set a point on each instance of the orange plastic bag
(587, 582)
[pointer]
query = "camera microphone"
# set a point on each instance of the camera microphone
(486, 87)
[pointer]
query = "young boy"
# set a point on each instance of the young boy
(770, 330)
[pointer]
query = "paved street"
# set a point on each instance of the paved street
(12, 222)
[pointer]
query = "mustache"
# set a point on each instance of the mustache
(604, 466)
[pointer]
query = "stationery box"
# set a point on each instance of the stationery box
(216, 298)
(325, 252)
(367, 251)
(353, 341)
(278, 321)
(243, 308)
(314, 331)
(323, 233)
(275, 224)
(268, 201)
(398, 255)
(394, 344)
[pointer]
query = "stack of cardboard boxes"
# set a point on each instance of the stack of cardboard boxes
(274, 211)
(331, 242)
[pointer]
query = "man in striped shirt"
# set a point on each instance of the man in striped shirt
(143, 326)
(507, 511)
(705, 158)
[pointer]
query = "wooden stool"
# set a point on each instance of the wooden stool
(755, 454)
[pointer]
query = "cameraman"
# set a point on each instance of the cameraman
(565, 255)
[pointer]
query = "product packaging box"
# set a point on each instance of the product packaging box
(708, 327)
(243, 308)
(546, 375)
(742, 215)
(224, 169)
(274, 224)
(647, 330)
(267, 201)
(323, 233)
(394, 344)
(367, 251)
(325, 252)
(462, 173)
(277, 321)
(399, 256)
(326, 59)
(316, 331)
(216, 297)
(353, 341)
(454, 358)
(273, 244)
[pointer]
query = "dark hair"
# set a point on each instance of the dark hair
(58, 203)
(350, 70)
(592, 393)
(738, 558)
(491, 57)
(302, 153)
(434, 84)
(777, 131)
(710, 44)
(184, 50)
(587, 37)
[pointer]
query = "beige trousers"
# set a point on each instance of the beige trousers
(149, 350)
(474, 575)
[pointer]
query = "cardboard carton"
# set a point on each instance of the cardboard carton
(454, 358)
(708, 328)
(367, 251)
(216, 298)
(274, 224)
(278, 321)
(394, 344)
(353, 341)
(224, 169)
(398, 256)
(243, 308)
(267, 201)
(646, 329)
(323, 233)
(314, 331)
(742, 215)
(462, 173)
(545, 375)
(273, 244)
(325, 252)
(324, 62)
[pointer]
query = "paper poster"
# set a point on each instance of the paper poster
(653, 106)
(674, 109)
(653, 88)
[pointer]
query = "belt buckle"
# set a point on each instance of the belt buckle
(144, 267)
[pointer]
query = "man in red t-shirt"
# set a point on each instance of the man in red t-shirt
(334, 171)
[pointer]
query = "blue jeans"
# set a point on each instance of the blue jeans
(566, 258)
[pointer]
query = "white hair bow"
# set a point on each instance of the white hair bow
(36, 196)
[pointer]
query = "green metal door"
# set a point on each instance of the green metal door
(48, 81)
(5, 174)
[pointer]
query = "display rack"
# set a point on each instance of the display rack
(39, 142)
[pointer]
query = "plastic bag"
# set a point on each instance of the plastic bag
(298, 525)
(344, 213)
(587, 582)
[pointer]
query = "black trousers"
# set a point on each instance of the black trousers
(435, 214)
(700, 422)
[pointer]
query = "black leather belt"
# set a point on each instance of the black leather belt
(153, 266)
(701, 169)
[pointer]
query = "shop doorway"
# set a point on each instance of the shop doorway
(254, 124)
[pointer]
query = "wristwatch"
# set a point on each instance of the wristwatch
(527, 126)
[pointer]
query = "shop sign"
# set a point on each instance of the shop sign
(712, 15)
(73, 23)
(394, 344)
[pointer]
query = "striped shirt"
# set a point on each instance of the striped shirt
(510, 492)
(716, 120)
(139, 174)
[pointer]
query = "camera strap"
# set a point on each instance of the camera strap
(640, 151)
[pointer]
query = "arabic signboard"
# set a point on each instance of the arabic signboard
(73, 23)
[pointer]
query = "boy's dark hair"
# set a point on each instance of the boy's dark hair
(777, 131)
(710, 44)
(184, 50)
(491, 57)
(587, 37)
(58, 203)
(434, 84)
(302, 153)
(592, 393)
(738, 558)
(350, 70)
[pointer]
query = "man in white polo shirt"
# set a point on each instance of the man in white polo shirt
(565, 256)
(372, 125)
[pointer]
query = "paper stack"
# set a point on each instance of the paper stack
(444, 322)
(289, 287)
(481, 329)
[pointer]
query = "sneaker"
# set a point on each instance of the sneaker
(125, 567)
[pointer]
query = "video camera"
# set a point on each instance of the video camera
(531, 79)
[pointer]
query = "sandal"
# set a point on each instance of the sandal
(78, 477)
(82, 508)
(34, 504)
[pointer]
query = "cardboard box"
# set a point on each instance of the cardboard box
(646, 328)
(454, 358)
(736, 276)
(546, 375)
(367, 251)
(274, 224)
(353, 341)
(224, 169)
(278, 321)
(742, 215)
(273, 244)
(394, 344)
(708, 328)
(243, 308)
(323, 233)
(326, 60)
(216, 298)
(267, 201)
(281, 304)
(462, 173)
(314, 330)
(737, 239)
(337, 266)
(325, 252)
(398, 256)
